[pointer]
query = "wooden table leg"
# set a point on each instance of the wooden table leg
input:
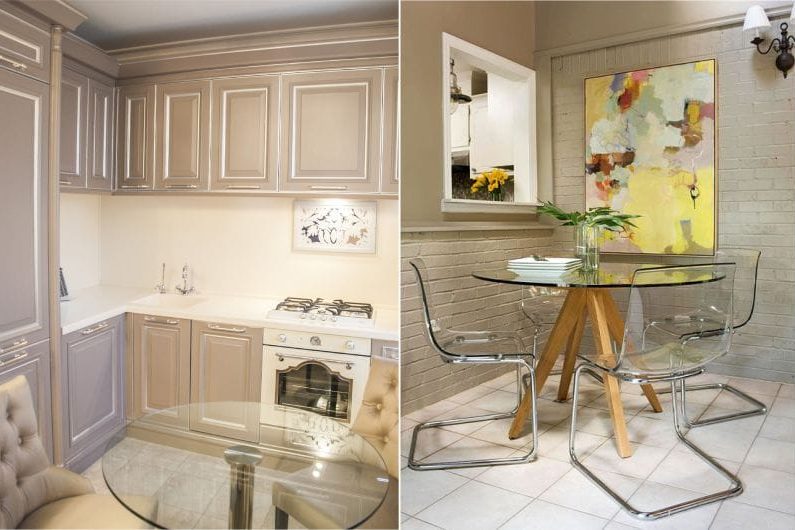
(571, 356)
(567, 319)
(616, 325)
(601, 331)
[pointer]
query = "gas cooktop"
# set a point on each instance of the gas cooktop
(318, 310)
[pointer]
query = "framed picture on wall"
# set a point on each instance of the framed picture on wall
(650, 144)
(331, 225)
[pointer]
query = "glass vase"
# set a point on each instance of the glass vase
(586, 245)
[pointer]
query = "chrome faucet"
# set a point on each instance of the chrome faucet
(185, 289)
(161, 287)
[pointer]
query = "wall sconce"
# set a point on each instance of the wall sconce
(756, 20)
(456, 94)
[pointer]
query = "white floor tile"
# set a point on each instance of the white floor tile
(496, 432)
(428, 441)
(783, 407)
(722, 440)
(643, 461)
(501, 381)
(471, 394)
(772, 454)
(497, 401)
(778, 428)
(755, 386)
(474, 506)
(632, 403)
(767, 488)
(553, 412)
(594, 421)
(432, 411)
(787, 391)
(735, 516)
(649, 430)
(652, 496)
(465, 411)
(415, 524)
(730, 401)
(688, 471)
(470, 449)
(420, 489)
(576, 491)
(554, 443)
(529, 479)
(541, 515)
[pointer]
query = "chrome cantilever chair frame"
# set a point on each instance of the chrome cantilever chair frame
(665, 371)
(519, 359)
(759, 408)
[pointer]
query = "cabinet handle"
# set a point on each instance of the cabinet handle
(13, 63)
(329, 188)
(137, 187)
(14, 345)
(66, 182)
(241, 187)
(182, 186)
(98, 327)
(282, 357)
(168, 321)
(216, 327)
(15, 359)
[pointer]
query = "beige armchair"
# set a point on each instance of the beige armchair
(377, 422)
(35, 494)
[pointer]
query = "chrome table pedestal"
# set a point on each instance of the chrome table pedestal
(243, 462)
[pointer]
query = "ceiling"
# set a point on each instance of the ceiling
(114, 24)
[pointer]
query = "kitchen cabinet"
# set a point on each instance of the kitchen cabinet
(24, 47)
(161, 368)
(33, 362)
(92, 390)
(331, 131)
(245, 133)
(226, 365)
(388, 349)
(74, 116)
(390, 163)
(183, 130)
(24, 108)
(99, 143)
(135, 137)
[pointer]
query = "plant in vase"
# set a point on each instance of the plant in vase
(493, 180)
(588, 227)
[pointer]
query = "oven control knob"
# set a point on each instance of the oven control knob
(350, 345)
(282, 337)
(314, 340)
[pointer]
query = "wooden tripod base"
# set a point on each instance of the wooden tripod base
(582, 303)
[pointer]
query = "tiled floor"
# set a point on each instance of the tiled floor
(550, 493)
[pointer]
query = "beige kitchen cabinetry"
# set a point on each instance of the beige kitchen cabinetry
(161, 368)
(245, 133)
(135, 152)
(99, 143)
(24, 47)
(331, 131)
(226, 366)
(183, 136)
(390, 163)
(74, 116)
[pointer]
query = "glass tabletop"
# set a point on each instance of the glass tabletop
(609, 275)
(176, 478)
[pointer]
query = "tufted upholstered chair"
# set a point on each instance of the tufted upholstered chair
(35, 494)
(377, 422)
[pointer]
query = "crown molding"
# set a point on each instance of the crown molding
(85, 53)
(55, 11)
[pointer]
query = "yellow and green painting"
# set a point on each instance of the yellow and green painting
(650, 151)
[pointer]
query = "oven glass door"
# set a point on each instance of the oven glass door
(314, 386)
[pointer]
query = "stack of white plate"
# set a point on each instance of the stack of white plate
(547, 266)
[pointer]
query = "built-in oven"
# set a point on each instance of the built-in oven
(320, 373)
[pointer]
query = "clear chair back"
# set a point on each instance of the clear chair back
(679, 318)
(747, 261)
(433, 319)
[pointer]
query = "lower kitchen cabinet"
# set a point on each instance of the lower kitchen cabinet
(161, 368)
(34, 363)
(226, 365)
(92, 390)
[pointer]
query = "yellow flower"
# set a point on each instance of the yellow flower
(479, 183)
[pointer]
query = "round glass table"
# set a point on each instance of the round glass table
(173, 477)
(589, 297)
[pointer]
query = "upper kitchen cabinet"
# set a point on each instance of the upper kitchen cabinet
(390, 168)
(136, 111)
(245, 133)
(74, 116)
(24, 109)
(183, 146)
(99, 144)
(331, 131)
(24, 47)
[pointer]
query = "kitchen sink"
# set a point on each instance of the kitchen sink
(170, 301)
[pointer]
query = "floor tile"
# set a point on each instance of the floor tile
(778, 428)
(496, 432)
(470, 449)
(576, 491)
(541, 515)
(632, 403)
(428, 441)
(723, 441)
(407, 424)
(643, 461)
(783, 407)
(767, 488)
(730, 401)
(497, 401)
(529, 479)
(735, 516)
(474, 505)
(432, 411)
(704, 397)
(501, 381)
(471, 394)
(787, 391)
(772, 454)
(755, 386)
(553, 412)
(653, 496)
(465, 411)
(594, 421)
(652, 431)
(415, 524)
(554, 443)
(688, 471)
(420, 489)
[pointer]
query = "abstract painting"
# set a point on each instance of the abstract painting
(334, 226)
(650, 151)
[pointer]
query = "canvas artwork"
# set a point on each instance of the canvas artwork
(650, 151)
(334, 226)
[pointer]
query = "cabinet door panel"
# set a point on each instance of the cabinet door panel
(184, 131)
(74, 98)
(23, 211)
(136, 137)
(161, 367)
(26, 47)
(390, 162)
(331, 131)
(245, 133)
(100, 136)
(225, 367)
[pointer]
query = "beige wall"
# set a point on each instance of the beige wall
(80, 218)
(565, 23)
(508, 31)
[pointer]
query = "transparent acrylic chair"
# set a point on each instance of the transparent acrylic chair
(651, 352)
(747, 262)
(467, 348)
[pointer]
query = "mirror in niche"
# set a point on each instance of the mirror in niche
(489, 129)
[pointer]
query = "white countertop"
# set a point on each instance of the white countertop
(91, 305)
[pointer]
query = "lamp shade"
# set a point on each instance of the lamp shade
(755, 19)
